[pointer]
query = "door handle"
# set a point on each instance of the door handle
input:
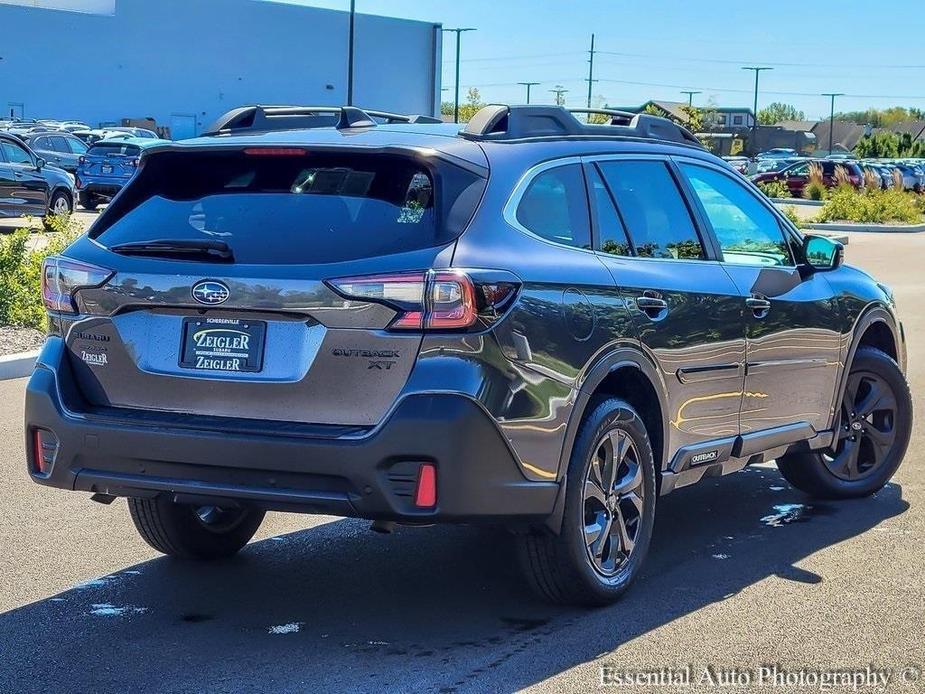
(759, 306)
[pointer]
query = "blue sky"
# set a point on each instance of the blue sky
(654, 49)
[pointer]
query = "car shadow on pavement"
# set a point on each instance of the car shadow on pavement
(338, 608)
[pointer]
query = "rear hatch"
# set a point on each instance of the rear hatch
(111, 159)
(241, 282)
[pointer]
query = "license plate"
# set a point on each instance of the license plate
(222, 344)
(105, 168)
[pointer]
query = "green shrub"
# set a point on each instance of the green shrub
(790, 212)
(21, 256)
(871, 206)
(775, 189)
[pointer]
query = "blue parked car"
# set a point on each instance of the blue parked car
(107, 166)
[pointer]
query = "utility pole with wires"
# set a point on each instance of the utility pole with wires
(832, 95)
(528, 85)
(591, 79)
(559, 91)
(754, 142)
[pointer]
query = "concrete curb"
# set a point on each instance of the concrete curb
(798, 201)
(871, 228)
(17, 365)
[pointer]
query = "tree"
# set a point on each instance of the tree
(888, 145)
(468, 108)
(882, 118)
(777, 112)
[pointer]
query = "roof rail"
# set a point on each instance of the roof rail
(259, 118)
(502, 122)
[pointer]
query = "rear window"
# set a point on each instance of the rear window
(114, 149)
(314, 208)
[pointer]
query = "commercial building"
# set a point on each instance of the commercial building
(185, 62)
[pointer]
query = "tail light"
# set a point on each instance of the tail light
(63, 277)
(133, 162)
(81, 160)
(436, 299)
(77, 182)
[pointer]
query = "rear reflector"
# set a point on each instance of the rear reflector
(425, 493)
(44, 450)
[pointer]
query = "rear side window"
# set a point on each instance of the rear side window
(653, 210)
(316, 208)
(114, 149)
(555, 207)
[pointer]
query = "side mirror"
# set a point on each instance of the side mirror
(823, 253)
(39, 163)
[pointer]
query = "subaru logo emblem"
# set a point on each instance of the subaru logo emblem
(210, 292)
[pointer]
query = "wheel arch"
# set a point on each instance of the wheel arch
(876, 327)
(628, 374)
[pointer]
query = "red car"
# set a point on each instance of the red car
(796, 176)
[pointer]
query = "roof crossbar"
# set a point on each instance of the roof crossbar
(501, 122)
(260, 118)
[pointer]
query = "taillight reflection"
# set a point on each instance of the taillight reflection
(62, 277)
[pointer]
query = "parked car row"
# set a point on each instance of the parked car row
(102, 160)
(80, 130)
(796, 173)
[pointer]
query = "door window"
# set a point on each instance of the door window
(15, 154)
(612, 233)
(555, 207)
(653, 210)
(747, 231)
(59, 144)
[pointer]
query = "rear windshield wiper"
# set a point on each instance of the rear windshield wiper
(177, 248)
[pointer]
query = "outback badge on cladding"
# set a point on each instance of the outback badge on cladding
(222, 344)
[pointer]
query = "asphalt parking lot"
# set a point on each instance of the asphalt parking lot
(322, 604)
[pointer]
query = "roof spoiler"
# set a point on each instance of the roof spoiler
(267, 118)
(502, 122)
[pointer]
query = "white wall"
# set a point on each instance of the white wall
(196, 59)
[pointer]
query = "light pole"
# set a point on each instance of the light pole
(456, 98)
(559, 90)
(690, 103)
(832, 95)
(528, 85)
(757, 71)
(353, 8)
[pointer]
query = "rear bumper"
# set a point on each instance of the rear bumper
(102, 188)
(369, 474)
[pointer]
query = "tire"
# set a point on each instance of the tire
(88, 202)
(60, 204)
(178, 530)
(869, 446)
(561, 568)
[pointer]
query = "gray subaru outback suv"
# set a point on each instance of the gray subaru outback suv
(534, 322)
